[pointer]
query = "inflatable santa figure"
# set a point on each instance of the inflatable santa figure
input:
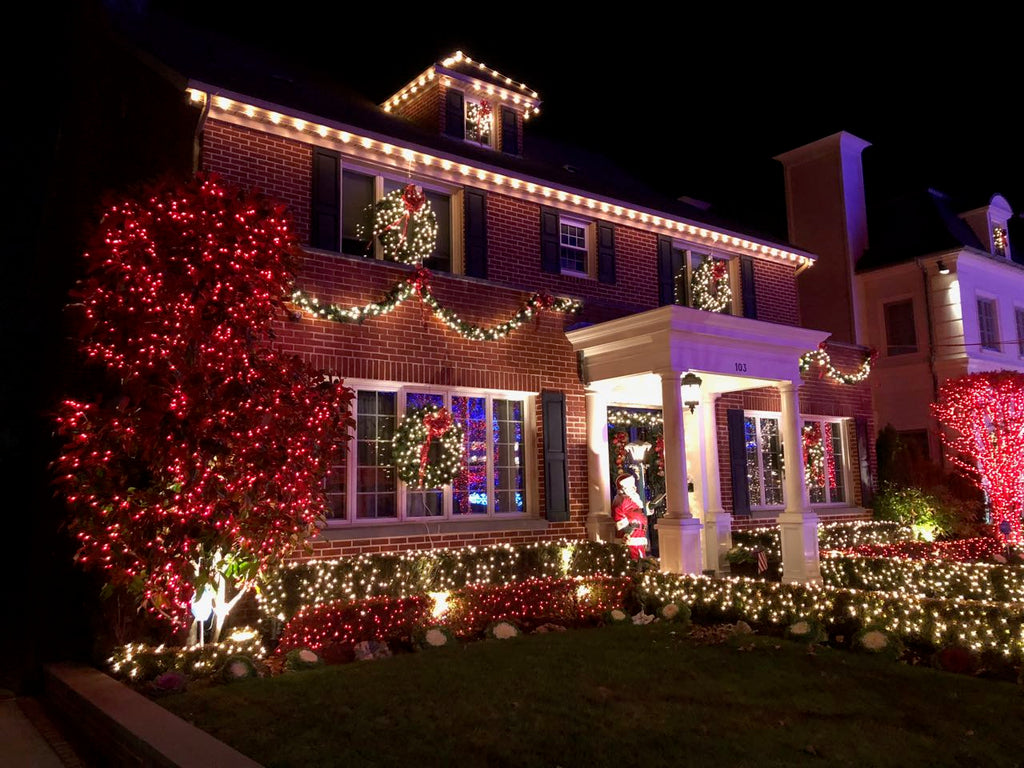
(630, 517)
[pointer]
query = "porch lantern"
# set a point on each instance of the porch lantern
(691, 391)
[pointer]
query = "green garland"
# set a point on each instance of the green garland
(409, 439)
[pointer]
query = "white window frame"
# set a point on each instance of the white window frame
(380, 174)
(470, 98)
(840, 424)
(762, 507)
(732, 263)
(402, 390)
(587, 250)
(991, 300)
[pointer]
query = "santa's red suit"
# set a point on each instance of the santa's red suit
(625, 510)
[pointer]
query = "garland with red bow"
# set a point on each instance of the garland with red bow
(428, 446)
(405, 224)
(821, 358)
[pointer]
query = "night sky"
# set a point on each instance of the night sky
(697, 101)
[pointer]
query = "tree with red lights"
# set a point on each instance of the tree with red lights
(983, 414)
(197, 459)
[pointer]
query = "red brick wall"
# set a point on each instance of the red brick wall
(818, 397)
(424, 108)
(283, 168)
(513, 257)
(775, 288)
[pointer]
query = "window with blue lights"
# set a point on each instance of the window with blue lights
(491, 481)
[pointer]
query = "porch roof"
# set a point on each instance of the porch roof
(728, 353)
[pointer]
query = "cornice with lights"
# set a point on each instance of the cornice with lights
(375, 148)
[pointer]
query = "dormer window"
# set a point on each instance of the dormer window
(479, 121)
(1000, 241)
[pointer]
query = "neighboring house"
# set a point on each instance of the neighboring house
(519, 215)
(936, 291)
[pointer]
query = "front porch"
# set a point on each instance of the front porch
(640, 361)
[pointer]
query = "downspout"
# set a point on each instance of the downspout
(931, 347)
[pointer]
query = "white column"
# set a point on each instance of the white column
(600, 526)
(798, 525)
(717, 522)
(678, 531)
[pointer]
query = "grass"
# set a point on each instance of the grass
(617, 696)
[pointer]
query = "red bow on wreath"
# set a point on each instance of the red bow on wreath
(437, 423)
(413, 200)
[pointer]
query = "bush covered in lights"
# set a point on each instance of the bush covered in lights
(926, 578)
(466, 612)
(139, 662)
(981, 626)
(299, 585)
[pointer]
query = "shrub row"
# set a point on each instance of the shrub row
(830, 535)
(300, 585)
(926, 578)
(981, 626)
(471, 609)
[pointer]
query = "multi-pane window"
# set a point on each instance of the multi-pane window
(360, 190)
(491, 480)
(1020, 332)
(479, 121)
(572, 238)
(988, 328)
(689, 262)
(824, 461)
(763, 442)
(900, 334)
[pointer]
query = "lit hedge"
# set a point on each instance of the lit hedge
(300, 585)
(982, 626)
(926, 578)
(830, 535)
(140, 662)
(469, 611)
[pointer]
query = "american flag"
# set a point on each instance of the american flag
(762, 561)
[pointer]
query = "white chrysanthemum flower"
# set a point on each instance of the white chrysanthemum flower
(239, 669)
(436, 637)
(800, 628)
(307, 657)
(670, 611)
(503, 630)
(618, 614)
(874, 640)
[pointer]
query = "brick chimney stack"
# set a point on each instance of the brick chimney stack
(827, 215)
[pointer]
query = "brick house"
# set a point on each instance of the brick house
(515, 218)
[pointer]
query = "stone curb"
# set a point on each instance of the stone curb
(123, 727)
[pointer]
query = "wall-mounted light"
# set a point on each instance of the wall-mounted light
(691, 391)
(943, 269)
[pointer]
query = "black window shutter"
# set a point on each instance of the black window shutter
(476, 232)
(738, 462)
(325, 231)
(556, 465)
(509, 131)
(605, 252)
(549, 241)
(666, 273)
(747, 286)
(455, 118)
(867, 492)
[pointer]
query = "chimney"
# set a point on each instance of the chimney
(827, 215)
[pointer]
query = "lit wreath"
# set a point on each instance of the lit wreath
(405, 225)
(428, 447)
(710, 285)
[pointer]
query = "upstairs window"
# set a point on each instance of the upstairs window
(1000, 241)
(988, 328)
(572, 239)
(479, 121)
(900, 334)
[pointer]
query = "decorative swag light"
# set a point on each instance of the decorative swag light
(691, 391)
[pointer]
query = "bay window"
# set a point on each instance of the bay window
(491, 480)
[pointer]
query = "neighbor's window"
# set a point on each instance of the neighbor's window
(572, 237)
(900, 334)
(988, 327)
(1020, 332)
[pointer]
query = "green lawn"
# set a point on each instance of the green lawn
(618, 696)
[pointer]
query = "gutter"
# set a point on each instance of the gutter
(931, 346)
